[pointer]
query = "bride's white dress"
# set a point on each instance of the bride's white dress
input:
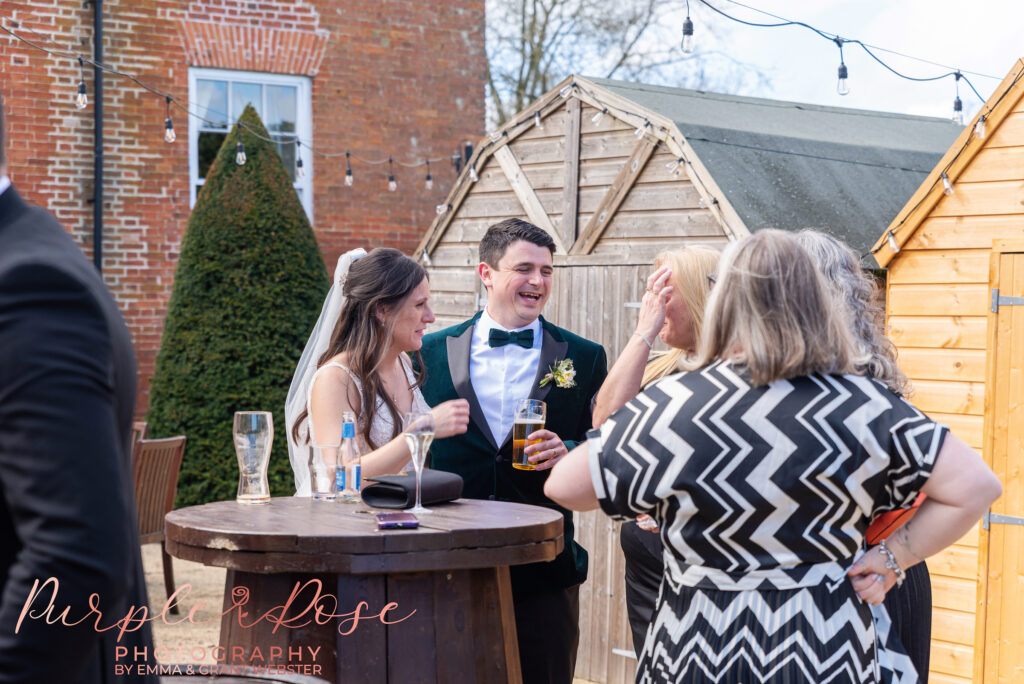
(383, 426)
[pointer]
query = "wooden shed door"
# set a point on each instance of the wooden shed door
(1001, 594)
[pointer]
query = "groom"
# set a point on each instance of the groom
(498, 356)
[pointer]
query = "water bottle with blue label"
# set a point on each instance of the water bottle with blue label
(348, 478)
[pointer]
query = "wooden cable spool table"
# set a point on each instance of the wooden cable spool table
(438, 604)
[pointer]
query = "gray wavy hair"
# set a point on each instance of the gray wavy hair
(858, 293)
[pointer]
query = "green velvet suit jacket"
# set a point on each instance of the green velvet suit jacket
(486, 467)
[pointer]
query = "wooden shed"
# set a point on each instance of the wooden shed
(618, 172)
(955, 308)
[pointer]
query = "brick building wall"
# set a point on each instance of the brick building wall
(399, 77)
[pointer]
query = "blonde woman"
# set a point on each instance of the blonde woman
(672, 309)
(763, 467)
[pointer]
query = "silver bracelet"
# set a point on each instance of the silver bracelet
(891, 563)
(641, 336)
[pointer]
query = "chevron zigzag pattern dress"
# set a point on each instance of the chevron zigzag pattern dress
(763, 495)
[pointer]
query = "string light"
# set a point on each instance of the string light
(894, 246)
(428, 183)
(597, 117)
(947, 185)
(473, 175)
(392, 184)
(537, 121)
(440, 209)
(979, 128)
(426, 259)
(842, 85)
(82, 99)
(240, 154)
(496, 136)
(299, 171)
(674, 166)
(958, 105)
(169, 136)
(566, 91)
(640, 130)
(348, 169)
(688, 31)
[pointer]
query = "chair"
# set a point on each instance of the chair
(156, 464)
(139, 429)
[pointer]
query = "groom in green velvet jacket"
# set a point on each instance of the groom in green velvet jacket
(500, 355)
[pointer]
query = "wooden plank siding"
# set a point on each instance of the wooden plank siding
(938, 299)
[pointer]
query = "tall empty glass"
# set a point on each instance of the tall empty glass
(254, 435)
(419, 433)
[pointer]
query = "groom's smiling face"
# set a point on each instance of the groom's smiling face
(519, 287)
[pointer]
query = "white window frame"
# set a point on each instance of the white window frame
(303, 123)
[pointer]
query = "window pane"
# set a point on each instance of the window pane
(241, 95)
(212, 102)
(286, 148)
(209, 146)
(281, 109)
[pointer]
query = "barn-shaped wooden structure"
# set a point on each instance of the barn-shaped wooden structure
(618, 172)
(955, 309)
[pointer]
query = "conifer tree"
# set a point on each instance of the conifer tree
(248, 288)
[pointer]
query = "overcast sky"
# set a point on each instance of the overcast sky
(985, 36)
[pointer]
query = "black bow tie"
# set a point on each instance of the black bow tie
(499, 338)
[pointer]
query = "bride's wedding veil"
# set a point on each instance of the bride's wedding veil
(298, 392)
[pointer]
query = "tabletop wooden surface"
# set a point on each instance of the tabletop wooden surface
(299, 534)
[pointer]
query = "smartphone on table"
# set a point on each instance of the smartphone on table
(391, 521)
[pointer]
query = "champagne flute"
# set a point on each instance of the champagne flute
(419, 433)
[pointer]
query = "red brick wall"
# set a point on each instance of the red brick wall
(389, 77)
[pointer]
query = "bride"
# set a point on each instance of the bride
(357, 359)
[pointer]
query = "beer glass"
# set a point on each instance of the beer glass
(529, 417)
(254, 435)
(323, 465)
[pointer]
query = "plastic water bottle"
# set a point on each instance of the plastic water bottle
(349, 476)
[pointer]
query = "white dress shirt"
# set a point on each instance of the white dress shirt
(502, 375)
(5, 183)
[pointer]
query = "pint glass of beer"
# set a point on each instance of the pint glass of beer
(529, 417)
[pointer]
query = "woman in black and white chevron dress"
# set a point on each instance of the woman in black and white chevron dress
(763, 467)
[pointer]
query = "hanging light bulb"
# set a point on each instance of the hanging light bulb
(842, 85)
(947, 185)
(958, 105)
(687, 35)
(702, 203)
(473, 175)
(426, 259)
(299, 171)
(429, 182)
(894, 246)
(169, 135)
(392, 184)
(640, 130)
(348, 169)
(497, 136)
(979, 128)
(597, 117)
(440, 209)
(82, 98)
(566, 91)
(537, 121)
(240, 154)
(674, 166)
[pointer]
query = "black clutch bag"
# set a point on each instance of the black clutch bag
(399, 491)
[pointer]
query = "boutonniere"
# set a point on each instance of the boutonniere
(563, 373)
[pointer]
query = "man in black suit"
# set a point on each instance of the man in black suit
(496, 357)
(67, 511)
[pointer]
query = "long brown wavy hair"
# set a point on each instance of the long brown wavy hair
(377, 283)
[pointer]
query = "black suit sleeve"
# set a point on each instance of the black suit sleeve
(598, 372)
(62, 484)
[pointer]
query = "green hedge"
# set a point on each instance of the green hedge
(248, 288)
